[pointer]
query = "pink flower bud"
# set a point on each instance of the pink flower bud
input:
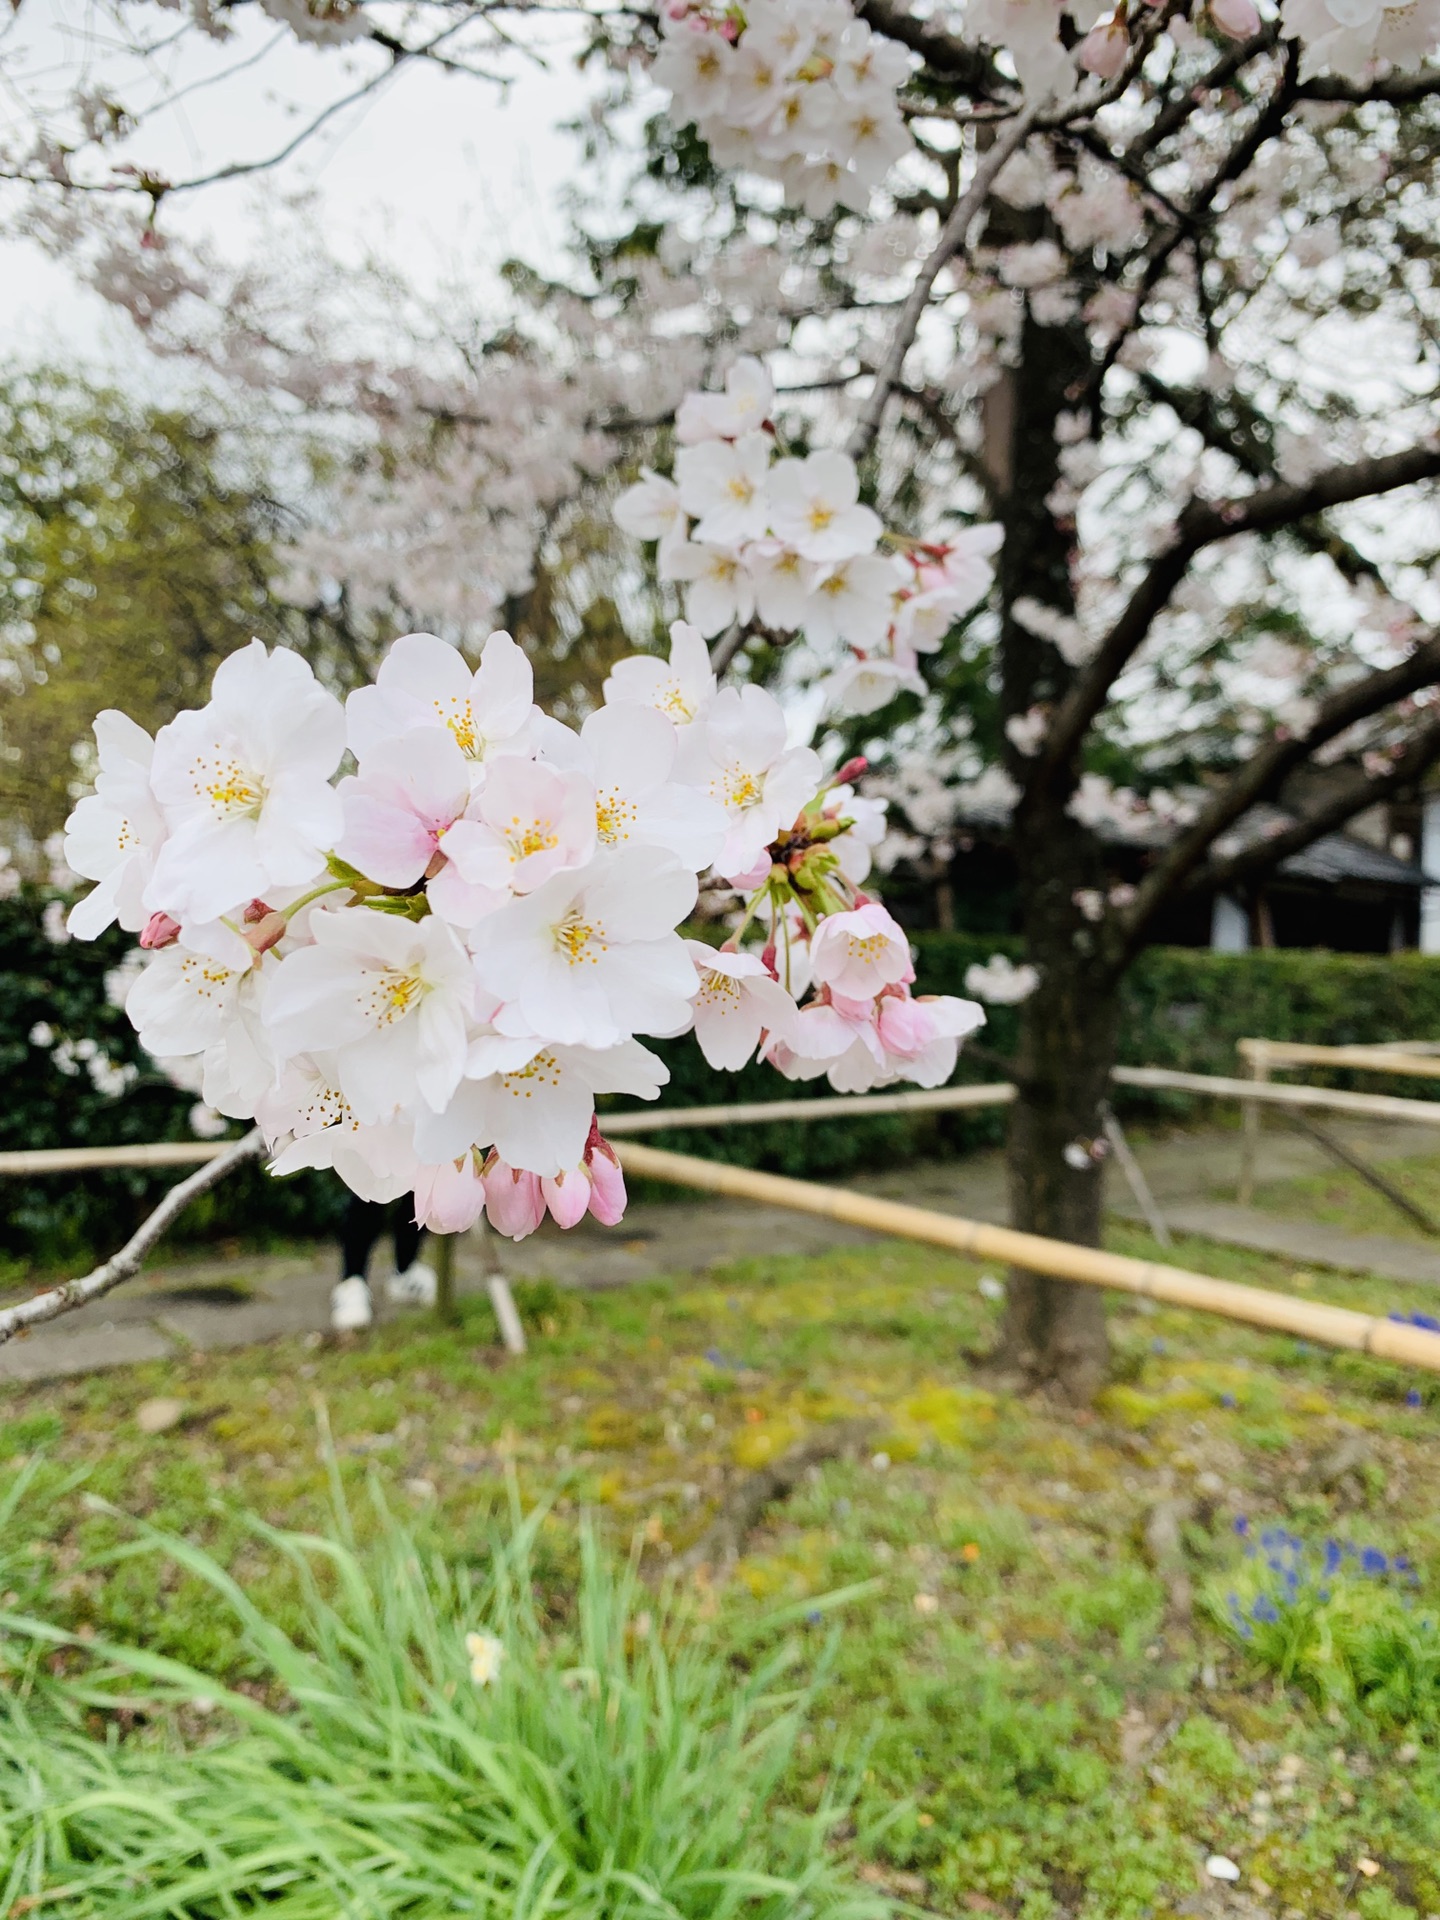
(267, 932)
(159, 931)
(449, 1198)
(607, 1185)
(1236, 19)
(514, 1204)
(568, 1196)
(1104, 49)
(851, 770)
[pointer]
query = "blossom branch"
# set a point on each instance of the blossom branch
(1264, 856)
(1243, 440)
(952, 238)
(1201, 525)
(1396, 89)
(125, 1264)
(1262, 774)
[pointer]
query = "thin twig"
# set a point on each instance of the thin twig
(1340, 1150)
(127, 1262)
(952, 238)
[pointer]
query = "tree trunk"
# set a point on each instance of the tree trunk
(1054, 1332)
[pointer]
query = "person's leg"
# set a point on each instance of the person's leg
(363, 1225)
(351, 1306)
(414, 1282)
(407, 1235)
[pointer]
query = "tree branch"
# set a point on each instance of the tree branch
(1261, 776)
(1265, 855)
(1201, 525)
(1398, 89)
(953, 59)
(127, 1262)
(1245, 443)
(952, 238)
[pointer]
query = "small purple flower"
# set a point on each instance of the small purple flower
(1265, 1610)
(1242, 1525)
(1414, 1398)
(1228, 1400)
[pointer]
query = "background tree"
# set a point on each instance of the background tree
(1154, 292)
(137, 549)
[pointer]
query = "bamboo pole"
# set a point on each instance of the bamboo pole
(1276, 1093)
(1251, 1117)
(1089, 1266)
(163, 1153)
(752, 1112)
(1301, 1053)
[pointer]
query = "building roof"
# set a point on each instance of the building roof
(1334, 857)
(1339, 856)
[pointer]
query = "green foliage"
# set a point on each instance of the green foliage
(1341, 1622)
(135, 553)
(619, 1764)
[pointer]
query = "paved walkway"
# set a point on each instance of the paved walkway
(209, 1305)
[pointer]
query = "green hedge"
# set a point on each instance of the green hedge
(1183, 1008)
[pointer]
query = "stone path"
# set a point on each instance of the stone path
(209, 1305)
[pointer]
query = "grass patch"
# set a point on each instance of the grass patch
(426, 1741)
(1039, 1739)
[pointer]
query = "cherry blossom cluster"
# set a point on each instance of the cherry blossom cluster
(799, 91)
(788, 542)
(422, 973)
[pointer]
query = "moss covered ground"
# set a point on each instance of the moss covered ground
(1045, 1725)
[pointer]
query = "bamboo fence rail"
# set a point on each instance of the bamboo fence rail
(999, 1093)
(1302, 1053)
(1089, 1266)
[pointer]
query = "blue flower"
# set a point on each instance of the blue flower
(1242, 1525)
(1228, 1400)
(1373, 1561)
(1265, 1610)
(1334, 1554)
(1414, 1398)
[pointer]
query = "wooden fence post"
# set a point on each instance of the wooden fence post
(1256, 1056)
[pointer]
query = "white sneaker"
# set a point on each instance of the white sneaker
(415, 1287)
(350, 1305)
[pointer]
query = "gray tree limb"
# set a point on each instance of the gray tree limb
(1202, 524)
(125, 1264)
(1262, 774)
(1261, 858)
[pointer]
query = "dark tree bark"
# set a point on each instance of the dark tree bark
(1054, 1332)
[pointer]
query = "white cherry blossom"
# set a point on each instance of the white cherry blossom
(718, 591)
(244, 786)
(389, 997)
(627, 754)
(744, 406)
(113, 834)
(722, 483)
(740, 758)
(534, 1103)
(527, 823)
(738, 1000)
(425, 682)
(814, 508)
(591, 957)
(858, 954)
(682, 690)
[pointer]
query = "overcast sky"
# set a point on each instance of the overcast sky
(436, 169)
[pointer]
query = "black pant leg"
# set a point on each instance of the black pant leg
(406, 1234)
(363, 1225)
